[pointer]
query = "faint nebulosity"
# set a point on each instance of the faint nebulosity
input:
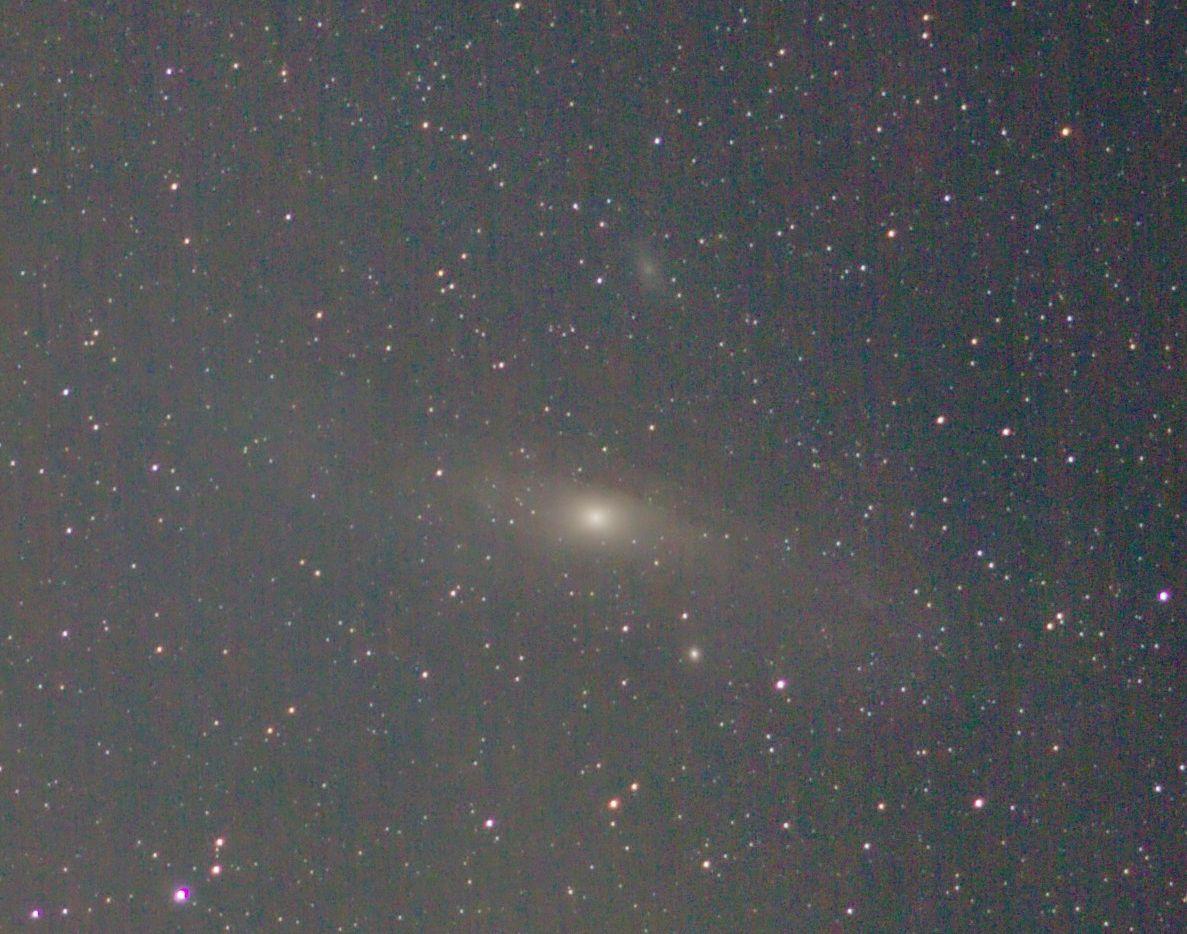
(592, 467)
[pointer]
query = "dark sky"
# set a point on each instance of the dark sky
(601, 466)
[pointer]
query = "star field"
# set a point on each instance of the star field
(592, 467)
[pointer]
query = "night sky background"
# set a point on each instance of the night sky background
(592, 466)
